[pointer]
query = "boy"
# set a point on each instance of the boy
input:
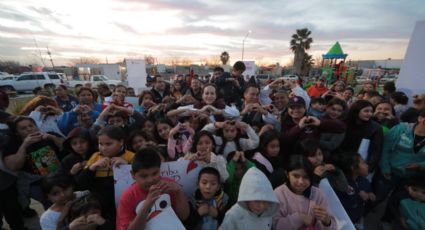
(232, 85)
(413, 208)
(319, 88)
(317, 107)
(148, 187)
(257, 204)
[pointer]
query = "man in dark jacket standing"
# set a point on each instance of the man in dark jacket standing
(231, 86)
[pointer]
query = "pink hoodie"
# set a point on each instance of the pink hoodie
(292, 204)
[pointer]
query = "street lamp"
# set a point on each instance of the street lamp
(243, 42)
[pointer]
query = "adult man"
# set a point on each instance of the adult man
(232, 86)
(159, 89)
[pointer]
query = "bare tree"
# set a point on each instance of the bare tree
(85, 60)
(150, 60)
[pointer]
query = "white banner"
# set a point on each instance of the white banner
(338, 211)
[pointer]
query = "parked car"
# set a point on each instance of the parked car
(362, 79)
(387, 78)
(96, 80)
(4, 75)
(264, 79)
(291, 77)
(29, 80)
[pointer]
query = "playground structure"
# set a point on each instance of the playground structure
(333, 70)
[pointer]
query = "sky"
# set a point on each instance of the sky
(112, 30)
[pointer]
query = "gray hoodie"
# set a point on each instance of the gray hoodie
(254, 187)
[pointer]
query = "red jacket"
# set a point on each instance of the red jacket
(314, 91)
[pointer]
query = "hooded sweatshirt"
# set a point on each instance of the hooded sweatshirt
(254, 187)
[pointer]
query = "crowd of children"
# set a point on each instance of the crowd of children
(263, 151)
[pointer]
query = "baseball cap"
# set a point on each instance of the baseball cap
(296, 101)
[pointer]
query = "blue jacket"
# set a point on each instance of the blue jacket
(398, 151)
(68, 120)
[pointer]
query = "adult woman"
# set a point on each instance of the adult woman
(33, 152)
(296, 126)
(176, 90)
(45, 112)
(86, 97)
(360, 126)
(64, 100)
(210, 105)
(403, 157)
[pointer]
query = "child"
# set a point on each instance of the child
(179, 135)
(163, 127)
(317, 107)
(359, 192)
(311, 150)
(97, 175)
(301, 204)
(256, 205)
(59, 189)
(268, 159)
(86, 213)
(138, 140)
(413, 208)
(118, 98)
(209, 200)
(202, 151)
(237, 166)
(228, 136)
(148, 187)
(79, 149)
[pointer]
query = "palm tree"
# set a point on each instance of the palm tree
(224, 57)
(308, 62)
(300, 42)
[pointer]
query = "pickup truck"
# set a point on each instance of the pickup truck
(95, 80)
(29, 80)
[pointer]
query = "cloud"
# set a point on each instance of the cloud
(197, 28)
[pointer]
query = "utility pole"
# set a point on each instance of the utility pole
(50, 56)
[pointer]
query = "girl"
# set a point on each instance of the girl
(178, 137)
(79, 147)
(163, 127)
(301, 204)
(64, 100)
(138, 140)
(336, 108)
(202, 150)
(97, 176)
(268, 159)
(385, 115)
(209, 201)
(360, 126)
(59, 190)
(399, 100)
(33, 152)
(228, 136)
(359, 192)
(311, 150)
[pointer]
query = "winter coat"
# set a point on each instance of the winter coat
(254, 187)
